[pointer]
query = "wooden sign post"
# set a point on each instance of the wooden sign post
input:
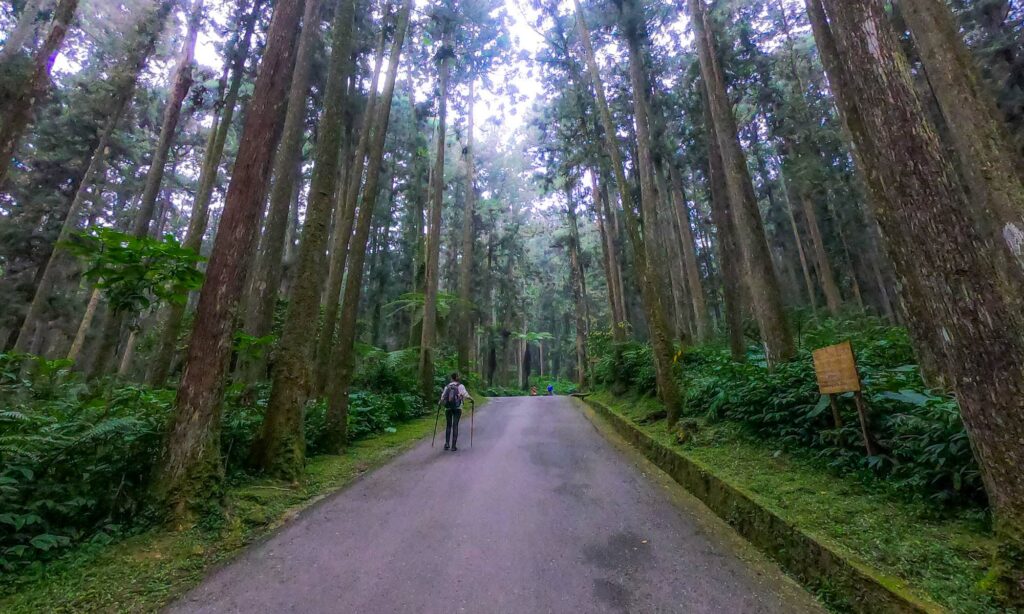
(836, 370)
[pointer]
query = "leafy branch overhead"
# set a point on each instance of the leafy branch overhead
(133, 272)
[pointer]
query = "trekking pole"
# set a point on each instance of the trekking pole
(471, 416)
(436, 417)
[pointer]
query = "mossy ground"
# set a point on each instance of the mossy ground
(145, 571)
(943, 554)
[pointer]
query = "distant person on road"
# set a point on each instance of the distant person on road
(551, 390)
(452, 397)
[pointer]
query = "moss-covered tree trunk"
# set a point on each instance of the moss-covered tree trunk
(761, 281)
(668, 392)
(189, 470)
(266, 279)
(336, 429)
(730, 260)
(280, 447)
(167, 343)
(345, 214)
(698, 297)
(576, 281)
(991, 166)
(957, 301)
(428, 336)
(464, 335)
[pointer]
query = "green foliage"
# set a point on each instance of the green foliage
(923, 444)
(134, 272)
(76, 459)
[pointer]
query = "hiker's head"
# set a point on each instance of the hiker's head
(455, 376)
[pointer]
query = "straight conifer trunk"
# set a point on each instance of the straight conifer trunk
(990, 164)
(266, 281)
(761, 281)
(446, 56)
(336, 429)
(578, 295)
(200, 216)
(729, 257)
(280, 448)
(956, 300)
(668, 392)
(348, 195)
(190, 470)
(464, 337)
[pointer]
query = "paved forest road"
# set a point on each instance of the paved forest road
(543, 514)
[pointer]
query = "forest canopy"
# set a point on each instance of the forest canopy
(237, 234)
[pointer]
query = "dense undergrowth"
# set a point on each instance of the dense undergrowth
(923, 447)
(76, 457)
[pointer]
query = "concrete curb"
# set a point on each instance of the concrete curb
(846, 583)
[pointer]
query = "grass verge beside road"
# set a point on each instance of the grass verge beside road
(146, 571)
(942, 554)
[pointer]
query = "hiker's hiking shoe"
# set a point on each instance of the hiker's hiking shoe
(446, 446)
(454, 449)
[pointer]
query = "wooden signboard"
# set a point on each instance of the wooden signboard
(836, 369)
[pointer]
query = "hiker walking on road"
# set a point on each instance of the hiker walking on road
(452, 397)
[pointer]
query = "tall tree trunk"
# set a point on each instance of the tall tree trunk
(957, 301)
(668, 392)
(446, 56)
(16, 106)
(346, 212)
(987, 158)
(266, 280)
(190, 471)
(576, 280)
(59, 256)
(32, 18)
(607, 257)
(200, 216)
(833, 300)
(697, 295)
(760, 276)
(181, 83)
(280, 448)
(122, 83)
(730, 259)
(464, 336)
(336, 429)
(787, 194)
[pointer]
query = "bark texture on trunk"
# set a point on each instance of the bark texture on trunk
(464, 336)
(168, 342)
(266, 280)
(956, 300)
(336, 429)
(181, 83)
(668, 392)
(190, 471)
(345, 213)
(698, 297)
(578, 295)
(990, 164)
(730, 260)
(280, 448)
(761, 281)
(428, 336)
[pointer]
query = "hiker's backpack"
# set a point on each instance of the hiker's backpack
(451, 398)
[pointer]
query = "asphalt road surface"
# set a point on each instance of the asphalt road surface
(543, 514)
